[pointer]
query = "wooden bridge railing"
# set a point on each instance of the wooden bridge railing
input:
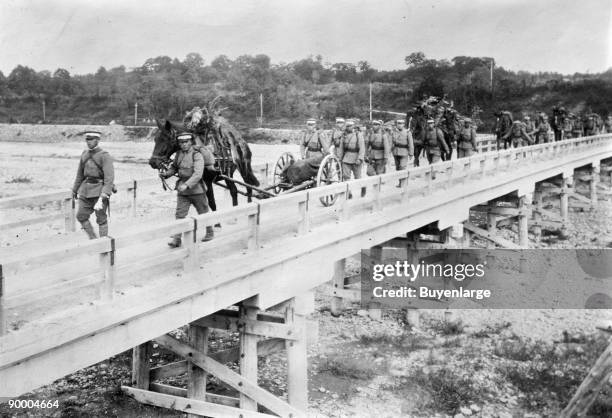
(256, 225)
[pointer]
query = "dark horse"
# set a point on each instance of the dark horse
(234, 153)
(450, 126)
(503, 124)
(557, 122)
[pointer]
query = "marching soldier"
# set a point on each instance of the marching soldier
(542, 128)
(434, 142)
(378, 149)
(93, 185)
(188, 164)
(530, 129)
(313, 143)
(608, 125)
(577, 127)
(467, 145)
(402, 145)
(336, 134)
(351, 151)
(517, 135)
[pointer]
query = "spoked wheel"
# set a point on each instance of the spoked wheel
(330, 171)
(284, 161)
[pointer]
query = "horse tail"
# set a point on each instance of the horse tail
(244, 163)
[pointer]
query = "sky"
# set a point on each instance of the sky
(565, 36)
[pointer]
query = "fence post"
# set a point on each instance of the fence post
(67, 208)
(107, 264)
(376, 206)
(403, 183)
(134, 199)
(189, 241)
(304, 218)
(253, 224)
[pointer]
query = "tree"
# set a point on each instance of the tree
(222, 63)
(415, 59)
(23, 80)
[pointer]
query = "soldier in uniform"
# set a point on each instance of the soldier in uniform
(313, 143)
(608, 125)
(434, 142)
(336, 135)
(517, 135)
(402, 145)
(530, 129)
(93, 185)
(467, 145)
(188, 164)
(378, 149)
(542, 128)
(577, 126)
(351, 151)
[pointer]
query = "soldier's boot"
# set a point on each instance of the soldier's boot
(175, 241)
(210, 234)
(88, 228)
(103, 230)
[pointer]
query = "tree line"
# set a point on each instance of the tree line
(165, 87)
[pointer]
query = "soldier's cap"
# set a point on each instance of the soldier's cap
(184, 136)
(350, 122)
(376, 122)
(92, 134)
(311, 121)
(340, 120)
(431, 121)
(400, 121)
(468, 120)
(526, 118)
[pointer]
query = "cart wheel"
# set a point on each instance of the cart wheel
(330, 172)
(284, 161)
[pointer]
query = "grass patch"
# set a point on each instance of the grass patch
(489, 330)
(350, 367)
(20, 179)
(448, 327)
(405, 342)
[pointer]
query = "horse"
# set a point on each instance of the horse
(166, 145)
(450, 126)
(503, 124)
(557, 122)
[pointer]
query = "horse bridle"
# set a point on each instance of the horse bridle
(165, 163)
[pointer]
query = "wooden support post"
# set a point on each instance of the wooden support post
(248, 355)
(107, 265)
(594, 182)
(413, 316)
(523, 221)
(253, 238)
(140, 366)
(196, 377)
(338, 283)
(297, 359)
(376, 204)
(591, 386)
(537, 213)
(374, 310)
(564, 202)
(491, 225)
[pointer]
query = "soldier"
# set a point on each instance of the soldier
(434, 142)
(188, 164)
(467, 145)
(577, 126)
(517, 135)
(313, 143)
(351, 151)
(530, 129)
(402, 145)
(608, 125)
(378, 149)
(93, 185)
(542, 128)
(336, 135)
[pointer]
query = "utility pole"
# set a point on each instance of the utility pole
(370, 101)
(260, 109)
(135, 113)
(491, 76)
(44, 111)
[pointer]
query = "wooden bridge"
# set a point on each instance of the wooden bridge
(80, 303)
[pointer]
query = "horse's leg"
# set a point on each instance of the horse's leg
(210, 195)
(231, 186)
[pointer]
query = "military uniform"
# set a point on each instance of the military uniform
(402, 148)
(577, 128)
(189, 166)
(94, 180)
(466, 145)
(517, 135)
(351, 154)
(314, 144)
(530, 128)
(542, 132)
(608, 125)
(378, 151)
(435, 144)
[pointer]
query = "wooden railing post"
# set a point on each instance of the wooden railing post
(304, 219)
(134, 193)
(376, 204)
(253, 225)
(189, 242)
(69, 219)
(107, 264)
(403, 183)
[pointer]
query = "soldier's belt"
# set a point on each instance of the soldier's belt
(401, 145)
(378, 148)
(351, 150)
(93, 180)
(314, 149)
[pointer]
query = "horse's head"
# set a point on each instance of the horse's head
(165, 144)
